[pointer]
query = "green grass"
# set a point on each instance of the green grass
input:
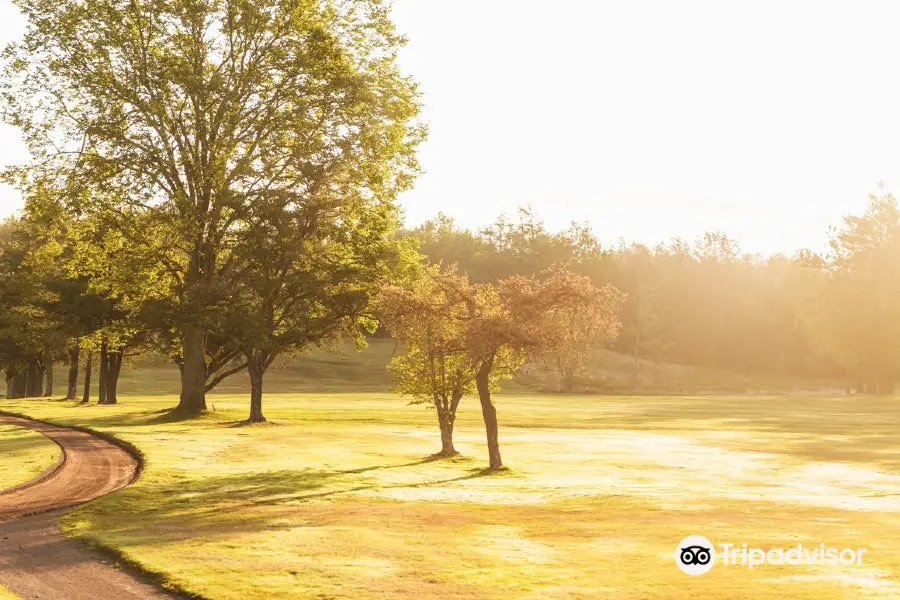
(339, 499)
(24, 454)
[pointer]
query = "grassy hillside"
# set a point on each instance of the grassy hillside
(340, 499)
(366, 371)
(24, 454)
(612, 373)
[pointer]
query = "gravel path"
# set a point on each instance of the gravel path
(36, 560)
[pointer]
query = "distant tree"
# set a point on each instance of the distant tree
(515, 320)
(459, 334)
(855, 317)
(427, 316)
(124, 280)
(705, 303)
(443, 241)
(641, 300)
(101, 286)
(581, 328)
(31, 334)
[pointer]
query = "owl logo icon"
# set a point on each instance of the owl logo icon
(695, 555)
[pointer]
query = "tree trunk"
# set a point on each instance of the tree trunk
(257, 370)
(48, 390)
(35, 378)
(635, 373)
(21, 385)
(72, 390)
(87, 377)
(489, 412)
(193, 374)
(15, 383)
(445, 422)
(568, 379)
(111, 379)
(104, 372)
(30, 376)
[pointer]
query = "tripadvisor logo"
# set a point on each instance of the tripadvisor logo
(696, 555)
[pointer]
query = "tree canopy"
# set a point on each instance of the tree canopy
(176, 120)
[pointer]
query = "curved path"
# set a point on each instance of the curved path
(36, 560)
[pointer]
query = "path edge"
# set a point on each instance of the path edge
(157, 578)
(128, 447)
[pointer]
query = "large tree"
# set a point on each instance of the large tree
(189, 112)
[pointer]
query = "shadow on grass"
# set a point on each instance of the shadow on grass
(226, 505)
(24, 442)
(249, 423)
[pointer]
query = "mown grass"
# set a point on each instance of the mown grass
(24, 454)
(341, 500)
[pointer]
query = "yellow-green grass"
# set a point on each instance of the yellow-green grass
(24, 454)
(339, 499)
(5, 594)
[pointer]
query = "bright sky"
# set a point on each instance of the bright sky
(767, 120)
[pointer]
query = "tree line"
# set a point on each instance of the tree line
(707, 303)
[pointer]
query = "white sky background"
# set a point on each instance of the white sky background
(767, 120)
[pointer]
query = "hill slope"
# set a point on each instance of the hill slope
(366, 371)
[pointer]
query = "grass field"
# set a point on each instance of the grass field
(340, 500)
(24, 454)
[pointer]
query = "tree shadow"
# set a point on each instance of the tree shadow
(249, 423)
(24, 443)
(226, 505)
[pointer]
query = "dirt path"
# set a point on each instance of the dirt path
(36, 560)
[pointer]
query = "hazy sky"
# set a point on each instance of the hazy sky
(768, 120)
